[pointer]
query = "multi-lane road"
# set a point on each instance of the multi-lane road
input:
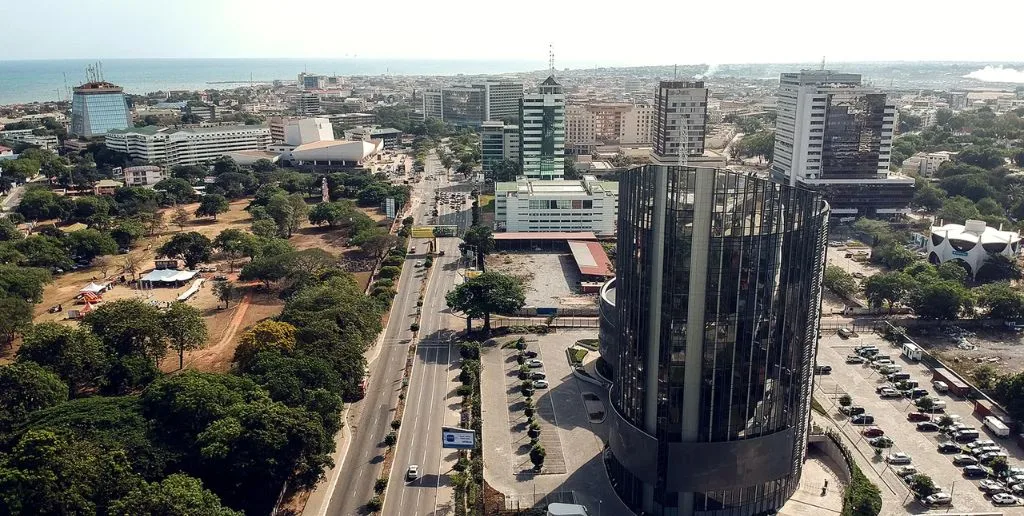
(431, 387)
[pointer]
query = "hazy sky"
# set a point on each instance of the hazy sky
(595, 32)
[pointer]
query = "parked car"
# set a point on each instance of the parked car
(975, 471)
(903, 471)
(890, 393)
(845, 333)
(915, 417)
(855, 359)
(880, 442)
(916, 393)
(412, 473)
(863, 419)
(927, 426)
(940, 386)
(876, 364)
(538, 375)
(535, 363)
(949, 447)
(889, 369)
(982, 450)
(873, 431)
(991, 486)
(540, 384)
(963, 459)
(937, 499)
(530, 354)
(1004, 499)
(898, 458)
(979, 444)
(852, 410)
(823, 369)
(988, 458)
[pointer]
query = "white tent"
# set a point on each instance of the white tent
(94, 288)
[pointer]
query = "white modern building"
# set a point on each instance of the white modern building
(192, 146)
(310, 142)
(557, 205)
(498, 142)
(305, 130)
(542, 132)
(146, 175)
(680, 122)
(972, 244)
(834, 135)
(926, 164)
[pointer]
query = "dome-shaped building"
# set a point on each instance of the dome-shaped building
(972, 244)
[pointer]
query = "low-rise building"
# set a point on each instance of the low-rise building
(191, 146)
(146, 175)
(389, 135)
(556, 205)
(26, 136)
(972, 244)
(352, 119)
(925, 164)
(106, 187)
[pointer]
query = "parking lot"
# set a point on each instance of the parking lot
(890, 415)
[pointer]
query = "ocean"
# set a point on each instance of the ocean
(27, 81)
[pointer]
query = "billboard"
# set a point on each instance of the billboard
(458, 438)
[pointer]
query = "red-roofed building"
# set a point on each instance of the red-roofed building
(542, 241)
(593, 263)
(6, 151)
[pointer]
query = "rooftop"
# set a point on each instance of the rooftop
(591, 259)
(554, 235)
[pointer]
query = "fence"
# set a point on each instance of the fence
(522, 502)
(552, 322)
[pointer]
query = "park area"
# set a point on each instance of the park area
(251, 303)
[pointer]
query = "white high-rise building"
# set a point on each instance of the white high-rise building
(680, 121)
(835, 135)
(542, 136)
(193, 146)
(474, 104)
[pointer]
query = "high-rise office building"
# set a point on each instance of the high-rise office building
(474, 104)
(710, 332)
(307, 103)
(680, 121)
(542, 136)
(98, 107)
(835, 135)
(498, 142)
(594, 124)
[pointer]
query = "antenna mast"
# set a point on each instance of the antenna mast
(551, 59)
(822, 62)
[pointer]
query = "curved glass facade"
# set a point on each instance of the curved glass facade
(716, 307)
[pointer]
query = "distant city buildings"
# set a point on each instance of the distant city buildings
(191, 146)
(390, 136)
(834, 135)
(680, 122)
(498, 142)
(307, 103)
(709, 332)
(556, 205)
(542, 132)
(474, 104)
(309, 81)
(590, 126)
(97, 108)
(146, 175)
(926, 164)
(26, 136)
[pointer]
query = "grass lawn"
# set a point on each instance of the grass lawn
(487, 203)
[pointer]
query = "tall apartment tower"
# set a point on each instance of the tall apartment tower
(709, 330)
(542, 136)
(99, 107)
(498, 142)
(680, 121)
(835, 135)
(501, 98)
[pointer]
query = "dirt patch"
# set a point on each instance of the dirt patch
(1002, 350)
(550, 279)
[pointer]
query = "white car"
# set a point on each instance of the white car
(1004, 499)
(412, 473)
(989, 486)
(540, 384)
(898, 458)
(534, 362)
(938, 499)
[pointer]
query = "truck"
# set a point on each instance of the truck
(997, 426)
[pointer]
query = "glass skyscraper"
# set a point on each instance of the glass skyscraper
(542, 132)
(97, 108)
(710, 331)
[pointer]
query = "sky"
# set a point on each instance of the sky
(583, 33)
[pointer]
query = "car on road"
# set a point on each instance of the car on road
(863, 419)
(845, 333)
(991, 486)
(880, 442)
(855, 359)
(413, 472)
(852, 410)
(540, 384)
(1004, 499)
(873, 431)
(962, 459)
(937, 499)
(916, 417)
(823, 369)
(927, 426)
(898, 458)
(975, 471)
(535, 363)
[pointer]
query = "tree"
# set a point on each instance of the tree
(537, 455)
(952, 271)
(129, 327)
(87, 244)
(225, 291)
(379, 244)
(929, 197)
(998, 268)
(894, 255)
(265, 335)
(26, 387)
(192, 247)
(505, 170)
(940, 300)
(264, 228)
(979, 156)
(839, 281)
(189, 173)
(329, 213)
(155, 222)
(73, 354)
(44, 251)
(224, 165)
(180, 218)
(127, 232)
(23, 282)
(176, 495)
(922, 485)
(1001, 301)
(211, 205)
(845, 400)
(925, 404)
(956, 210)
(15, 316)
(234, 243)
(486, 294)
(130, 263)
(482, 239)
(282, 211)
(999, 466)
(9, 231)
(177, 190)
(887, 288)
(185, 329)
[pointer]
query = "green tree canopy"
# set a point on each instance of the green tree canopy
(176, 495)
(15, 316)
(23, 282)
(87, 244)
(26, 387)
(212, 205)
(887, 288)
(940, 300)
(185, 329)
(192, 247)
(998, 268)
(1001, 301)
(485, 294)
(73, 354)
(264, 335)
(839, 281)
